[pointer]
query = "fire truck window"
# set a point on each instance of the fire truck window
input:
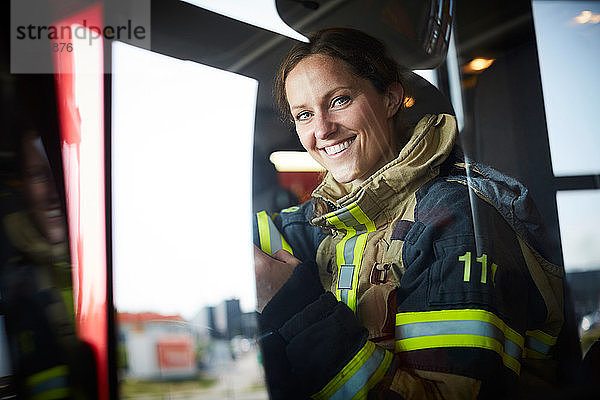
(183, 277)
(579, 218)
(568, 39)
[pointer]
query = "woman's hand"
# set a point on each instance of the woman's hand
(271, 273)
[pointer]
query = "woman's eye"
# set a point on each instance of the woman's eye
(304, 115)
(340, 101)
(36, 176)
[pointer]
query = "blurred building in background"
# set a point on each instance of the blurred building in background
(155, 346)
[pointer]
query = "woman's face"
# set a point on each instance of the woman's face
(343, 122)
(40, 191)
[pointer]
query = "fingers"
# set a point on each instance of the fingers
(286, 257)
(280, 255)
(258, 253)
(271, 274)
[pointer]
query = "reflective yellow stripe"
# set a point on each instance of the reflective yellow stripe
(263, 231)
(376, 377)
(271, 240)
(459, 328)
(539, 344)
(542, 337)
(339, 249)
(53, 394)
(430, 342)
(348, 371)
(286, 246)
(36, 379)
(530, 353)
(361, 374)
(359, 248)
(67, 296)
(339, 225)
(361, 217)
(357, 251)
(460, 315)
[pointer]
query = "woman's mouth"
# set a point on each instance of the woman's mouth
(339, 147)
(54, 213)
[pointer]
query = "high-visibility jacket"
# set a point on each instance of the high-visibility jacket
(438, 284)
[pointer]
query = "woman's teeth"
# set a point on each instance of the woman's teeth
(338, 147)
(53, 213)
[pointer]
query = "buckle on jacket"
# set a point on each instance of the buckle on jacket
(379, 273)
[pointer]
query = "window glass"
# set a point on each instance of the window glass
(579, 218)
(428, 74)
(568, 39)
(184, 291)
(455, 83)
(5, 368)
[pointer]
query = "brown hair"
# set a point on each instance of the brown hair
(366, 56)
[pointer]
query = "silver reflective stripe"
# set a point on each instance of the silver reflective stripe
(344, 296)
(512, 349)
(349, 251)
(539, 343)
(270, 238)
(467, 327)
(356, 224)
(459, 328)
(348, 219)
(50, 384)
(534, 344)
(360, 377)
(275, 237)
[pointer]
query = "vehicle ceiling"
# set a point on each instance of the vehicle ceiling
(185, 31)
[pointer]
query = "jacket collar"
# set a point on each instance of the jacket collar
(431, 142)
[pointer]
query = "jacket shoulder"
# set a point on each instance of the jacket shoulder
(304, 238)
(461, 253)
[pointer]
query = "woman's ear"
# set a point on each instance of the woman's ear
(394, 96)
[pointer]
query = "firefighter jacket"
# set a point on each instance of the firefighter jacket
(429, 280)
(47, 359)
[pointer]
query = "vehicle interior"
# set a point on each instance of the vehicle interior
(492, 64)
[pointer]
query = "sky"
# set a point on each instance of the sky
(182, 148)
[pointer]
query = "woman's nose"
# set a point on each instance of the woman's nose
(324, 126)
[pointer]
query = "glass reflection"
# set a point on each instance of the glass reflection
(40, 354)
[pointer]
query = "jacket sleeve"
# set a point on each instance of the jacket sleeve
(321, 350)
(468, 307)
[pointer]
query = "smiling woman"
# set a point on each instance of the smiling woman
(40, 191)
(336, 90)
(343, 122)
(45, 359)
(415, 272)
